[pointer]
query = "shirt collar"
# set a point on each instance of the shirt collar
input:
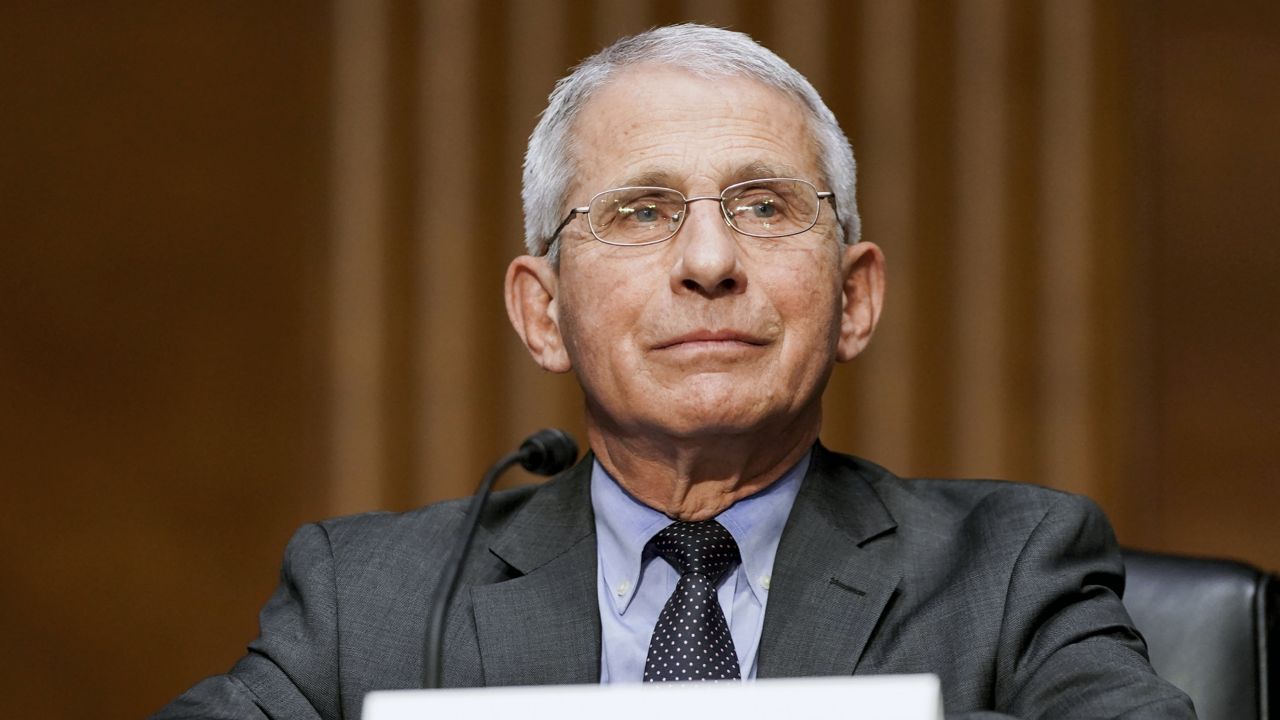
(624, 526)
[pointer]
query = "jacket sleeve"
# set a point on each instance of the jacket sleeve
(291, 669)
(1067, 647)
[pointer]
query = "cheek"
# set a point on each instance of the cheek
(809, 297)
(815, 332)
(596, 319)
(811, 316)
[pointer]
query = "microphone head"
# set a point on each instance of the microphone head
(548, 452)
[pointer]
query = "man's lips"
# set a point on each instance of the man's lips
(710, 338)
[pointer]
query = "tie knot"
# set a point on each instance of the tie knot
(705, 548)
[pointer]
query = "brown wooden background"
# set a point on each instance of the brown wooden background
(223, 313)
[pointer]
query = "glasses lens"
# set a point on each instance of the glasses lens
(771, 208)
(636, 215)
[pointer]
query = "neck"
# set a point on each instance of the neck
(697, 478)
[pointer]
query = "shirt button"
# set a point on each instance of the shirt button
(623, 587)
(764, 581)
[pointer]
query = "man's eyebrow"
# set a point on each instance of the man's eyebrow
(759, 169)
(650, 178)
(658, 177)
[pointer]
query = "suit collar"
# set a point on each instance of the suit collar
(833, 576)
(556, 516)
(543, 626)
(838, 488)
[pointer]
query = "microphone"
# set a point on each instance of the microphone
(545, 452)
(548, 452)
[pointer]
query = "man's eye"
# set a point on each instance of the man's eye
(757, 208)
(642, 213)
(764, 209)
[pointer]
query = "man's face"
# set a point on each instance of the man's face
(710, 332)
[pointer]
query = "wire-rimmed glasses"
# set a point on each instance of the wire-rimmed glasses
(764, 208)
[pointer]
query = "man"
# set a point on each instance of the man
(695, 260)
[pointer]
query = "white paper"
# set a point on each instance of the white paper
(865, 697)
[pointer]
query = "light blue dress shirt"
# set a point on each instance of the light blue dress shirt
(633, 587)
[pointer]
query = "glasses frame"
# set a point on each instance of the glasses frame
(724, 212)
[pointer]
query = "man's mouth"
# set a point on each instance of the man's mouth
(710, 339)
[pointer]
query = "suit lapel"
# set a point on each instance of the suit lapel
(833, 574)
(543, 626)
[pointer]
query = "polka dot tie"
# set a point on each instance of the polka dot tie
(691, 640)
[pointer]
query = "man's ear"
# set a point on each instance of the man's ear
(862, 268)
(531, 289)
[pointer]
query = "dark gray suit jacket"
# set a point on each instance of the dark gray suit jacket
(1009, 592)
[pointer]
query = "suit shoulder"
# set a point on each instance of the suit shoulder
(426, 524)
(953, 502)
(969, 494)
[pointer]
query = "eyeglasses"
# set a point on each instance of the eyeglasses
(765, 208)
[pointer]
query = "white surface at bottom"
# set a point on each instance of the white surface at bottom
(866, 697)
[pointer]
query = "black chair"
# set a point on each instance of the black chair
(1210, 626)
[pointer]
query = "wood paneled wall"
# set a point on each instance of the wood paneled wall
(163, 225)
(230, 301)
(1211, 219)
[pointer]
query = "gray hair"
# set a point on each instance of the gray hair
(706, 52)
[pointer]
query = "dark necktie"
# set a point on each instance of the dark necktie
(691, 640)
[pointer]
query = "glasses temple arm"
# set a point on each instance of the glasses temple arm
(828, 195)
(546, 245)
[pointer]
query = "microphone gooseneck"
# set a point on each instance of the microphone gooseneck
(546, 452)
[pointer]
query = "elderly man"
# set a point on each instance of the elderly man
(694, 258)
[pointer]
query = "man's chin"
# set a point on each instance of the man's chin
(701, 406)
(724, 418)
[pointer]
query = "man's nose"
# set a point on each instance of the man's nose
(707, 259)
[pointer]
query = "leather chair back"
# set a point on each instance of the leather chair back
(1210, 627)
